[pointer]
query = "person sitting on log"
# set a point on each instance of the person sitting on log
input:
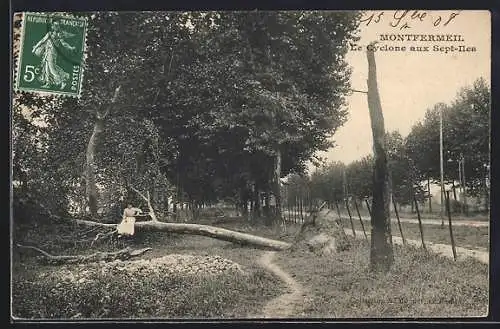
(126, 227)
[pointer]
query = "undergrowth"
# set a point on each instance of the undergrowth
(419, 284)
(38, 292)
(152, 295)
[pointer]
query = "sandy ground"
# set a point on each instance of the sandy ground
(438, 248)
(428, 221)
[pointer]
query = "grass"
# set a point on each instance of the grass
(120, 295)
(418, 285)
(340, 286)
(36, 294)
(464, 236)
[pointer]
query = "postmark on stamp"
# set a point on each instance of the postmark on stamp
(52, 53)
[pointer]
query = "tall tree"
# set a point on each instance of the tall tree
(466, 126)
(381, 253)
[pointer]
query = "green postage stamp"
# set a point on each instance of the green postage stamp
(52, 53)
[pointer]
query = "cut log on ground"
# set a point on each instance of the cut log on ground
(123, 254)
(204, 230)
(321, 235)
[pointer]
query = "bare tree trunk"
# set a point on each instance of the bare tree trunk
(381, 252)
(147, 198)
(90, 170)
(429, 191)
(277, 175)
(204, 230)
(257, 209)
(92, 193)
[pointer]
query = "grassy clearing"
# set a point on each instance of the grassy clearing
(147, 296)
(418, 285)
(340, 286)
(465, 236)
(150, 296)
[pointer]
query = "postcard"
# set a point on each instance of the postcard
(260, 165)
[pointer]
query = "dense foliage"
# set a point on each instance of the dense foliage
(207, 102)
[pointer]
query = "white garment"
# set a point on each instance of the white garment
(126, 227)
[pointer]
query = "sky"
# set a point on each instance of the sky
(410, 82)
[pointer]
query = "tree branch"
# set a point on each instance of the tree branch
(123, 254)
(150, 206)
(108, 108)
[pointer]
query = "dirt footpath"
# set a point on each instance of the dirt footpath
(289, 304)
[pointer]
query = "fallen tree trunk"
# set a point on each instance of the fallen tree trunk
(204, 230)
(123, 254)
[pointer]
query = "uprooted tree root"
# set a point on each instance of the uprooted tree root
(123, 254)
(320, 235)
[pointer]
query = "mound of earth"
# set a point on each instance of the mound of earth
(173, 264)
(322, 235)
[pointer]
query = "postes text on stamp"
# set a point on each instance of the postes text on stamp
(51, 54)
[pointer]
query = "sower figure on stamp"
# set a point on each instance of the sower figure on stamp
(126, 227)
(47, 49)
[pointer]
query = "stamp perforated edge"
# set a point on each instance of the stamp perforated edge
(17, 60)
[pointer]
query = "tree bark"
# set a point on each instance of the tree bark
(123, 254)
(204, 230)
(381, 252)
(90, 170)
(92, 193)
(276, 184)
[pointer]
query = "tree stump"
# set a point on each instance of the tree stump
(321, 235)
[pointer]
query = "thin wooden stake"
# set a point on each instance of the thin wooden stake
(289, 209)
(295, 210)
(350, 218)
(360, 219)
(301, 207)
(449, 221)
(419, 222)
(338, 210)
(369, 209)
(399, 222)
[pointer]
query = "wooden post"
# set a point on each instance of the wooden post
(449, 222)
(338, 210)
(350, 218)
(289, 209)
(465, 187)
(295, 209)
(368, 207)
(308, 201)
(460, 185)
(360, 219)
(301, 207)
(454, 189)
(419, 222)
(399, 222)
(428, 191)
(441, 162)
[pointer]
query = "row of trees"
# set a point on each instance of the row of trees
(195, 106)
(414, 160)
